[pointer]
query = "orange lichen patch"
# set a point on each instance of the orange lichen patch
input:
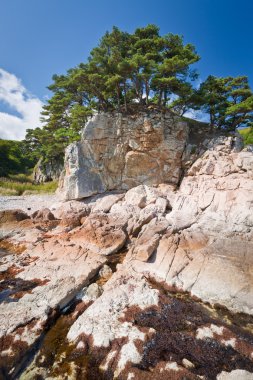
(101, 233)
(71, 222)
(15, 288)
(11, 247)
(10, 273)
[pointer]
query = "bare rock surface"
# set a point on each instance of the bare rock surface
(122, 151)
(235, 375)
(152, 283)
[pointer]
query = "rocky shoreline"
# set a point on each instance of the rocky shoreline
(27, 203)
(150, 282)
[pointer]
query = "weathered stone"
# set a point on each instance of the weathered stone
(91, 293)
(187, 363)
(146, 247)
(69, 209)
(105, 272)
(212, 225)
(9, 216)
(193, 241)
(104, 321)
(105, 202)
(237, 374)
(44, 214)
(70, 222)
(119, 152)
(99, 233)
(47, 171)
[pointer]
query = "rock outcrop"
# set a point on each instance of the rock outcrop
(47, 171)
(122, 151)
(210, 240)
(152, 283)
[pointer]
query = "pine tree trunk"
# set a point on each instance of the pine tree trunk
(125, 96)
(147, 92)
(165, 98)
(118, 97)
(160, 98)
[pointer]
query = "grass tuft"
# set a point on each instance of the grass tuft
(23, 186)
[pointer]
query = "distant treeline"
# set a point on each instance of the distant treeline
(13, 158)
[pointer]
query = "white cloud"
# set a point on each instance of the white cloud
(17, 97)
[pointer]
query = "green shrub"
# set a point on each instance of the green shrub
(247, 135)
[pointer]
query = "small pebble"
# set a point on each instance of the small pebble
(187, 364)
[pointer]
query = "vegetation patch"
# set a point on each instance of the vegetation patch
(247, 135)
(13, 158)
(19, 187)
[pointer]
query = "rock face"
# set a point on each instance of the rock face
(120, 152)
(151, 283)
(44, 172)
(210, 243)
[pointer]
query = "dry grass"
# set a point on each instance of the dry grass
(21, 185)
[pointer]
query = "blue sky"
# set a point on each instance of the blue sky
(39, 38)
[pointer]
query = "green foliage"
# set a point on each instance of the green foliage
(137, 69)
(123, 69)
(13, 158)
(247, 134)
(228, 100)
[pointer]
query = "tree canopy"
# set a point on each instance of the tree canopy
(124, 69)
(228, 101)
(137, 69)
